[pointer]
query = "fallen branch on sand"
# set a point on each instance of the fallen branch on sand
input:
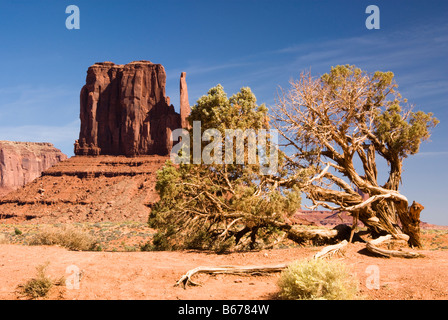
(328, 251)
(186, 278)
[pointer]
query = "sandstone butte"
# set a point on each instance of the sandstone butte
(124, 110)
(126, 122)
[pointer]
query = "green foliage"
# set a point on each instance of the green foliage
(220, 206)
(395, 124)
(402, 133)
(317, 279)
(240, 111)
(350, 115)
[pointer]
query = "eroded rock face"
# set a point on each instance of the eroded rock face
(22, 162)
(124, 111)
(184, 103)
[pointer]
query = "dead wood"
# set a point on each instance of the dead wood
(331, 131)
(372, 246)
(186, 278)
(297, 234)
(329, 251)
(301, 235)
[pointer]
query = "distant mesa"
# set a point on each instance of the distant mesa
(331, 219)
(22, 162)
(124, 110)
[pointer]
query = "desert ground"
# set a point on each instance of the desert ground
(122, 271)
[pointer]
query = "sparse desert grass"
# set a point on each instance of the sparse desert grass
(69, 237)
(109, 236)
(435, 239)
(3, 239)
(40, 286)
(317, 279)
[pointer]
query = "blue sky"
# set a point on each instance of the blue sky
(260, 44)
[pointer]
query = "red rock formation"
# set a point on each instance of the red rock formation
(325, 218)
(124, 111)
(184, 104)
(126, 123)
(22, 162)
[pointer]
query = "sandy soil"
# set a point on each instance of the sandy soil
(151, 275)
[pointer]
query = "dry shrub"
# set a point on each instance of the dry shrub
(3, 239)
(66, 236)
(40, 286)
(317, 279)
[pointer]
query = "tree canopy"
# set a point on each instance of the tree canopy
(221, 204)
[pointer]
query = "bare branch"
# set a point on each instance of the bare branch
(229, 226)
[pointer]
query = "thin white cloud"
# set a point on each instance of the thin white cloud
(408, 53)
(58, 135)
(37, 104)
(201, 68)
(26, 95)
(405, 52)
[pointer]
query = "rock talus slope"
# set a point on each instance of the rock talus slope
(87, 188)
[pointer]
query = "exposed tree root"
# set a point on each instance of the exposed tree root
(318, 236)
(372, 246)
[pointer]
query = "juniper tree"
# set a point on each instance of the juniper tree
(222, 204)
(349, 115)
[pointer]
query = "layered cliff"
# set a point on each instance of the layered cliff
(100, 188)
(22, 162)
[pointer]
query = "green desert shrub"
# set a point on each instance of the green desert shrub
(160, 242)
(317, 279)
(69, 237)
